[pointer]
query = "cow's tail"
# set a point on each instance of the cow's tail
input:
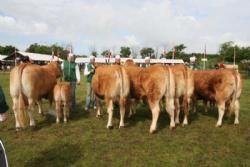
(21, 104)
(236, 93)
(124, 82)
(171, 84)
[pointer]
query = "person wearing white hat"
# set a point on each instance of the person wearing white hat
(146, 62)
(71, 73)
(117, 60)
(89, 71)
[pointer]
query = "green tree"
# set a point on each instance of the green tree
(8, 49)
(179, 53)
(94, 53)
(228, 49)
(47, 49)
(125, 52)
(147, 52)
(105, 53)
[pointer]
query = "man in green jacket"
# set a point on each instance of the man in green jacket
(71, 73)
(3, 106)
(89, 72)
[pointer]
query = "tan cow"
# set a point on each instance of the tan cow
(153, 83)
(222, 86)
(111, 83)
(62, 97)
(28, 84)
(184, 87)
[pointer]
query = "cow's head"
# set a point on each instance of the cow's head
(57, 66)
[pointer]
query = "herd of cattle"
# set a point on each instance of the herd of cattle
(128, 84)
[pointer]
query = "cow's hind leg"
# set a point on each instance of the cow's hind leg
(235, 107)
(155, 109)
(170, 110)
(40, 110)
(122, 111)
(177, 110)
(66, 111)
(30, 110)
(109, 104)
(236, 112)
(186, 110)
(15, 109)
(221, 110)
(58, 111)
(98, 107)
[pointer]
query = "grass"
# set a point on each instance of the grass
(85, 141)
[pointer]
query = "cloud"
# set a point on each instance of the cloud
(112, 23)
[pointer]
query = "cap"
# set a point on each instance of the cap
(147, 58)
(117, 57)
(55, 58)
(91, 57)
(71, 54)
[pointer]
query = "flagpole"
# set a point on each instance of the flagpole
(173, 54)
(234, 55)
(204, 58)
(15, 56)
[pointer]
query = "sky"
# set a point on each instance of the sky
(110, 24)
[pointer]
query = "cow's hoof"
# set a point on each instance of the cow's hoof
(121, 127)
(152, 131)
(171, 127)
(110, 127)
(184, 124)
(18, 129)
(98, 116)
(236, 122)
(218, 126)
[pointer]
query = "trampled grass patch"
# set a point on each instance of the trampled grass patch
(85, 141)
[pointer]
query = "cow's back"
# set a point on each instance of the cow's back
(62, 91)
(110, 81)
(214, 84)
(36, 81)
(184, 80)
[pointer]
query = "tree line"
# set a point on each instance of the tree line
(226, 52)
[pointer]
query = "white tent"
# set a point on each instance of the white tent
(81, 60)
(2, 57)
(37, 56)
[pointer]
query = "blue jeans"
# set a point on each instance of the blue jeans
(73, 94)
(90, 100)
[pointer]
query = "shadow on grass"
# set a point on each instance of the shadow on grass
(75, 115)
(56, 155)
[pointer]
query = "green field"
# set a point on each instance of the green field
(85, 141)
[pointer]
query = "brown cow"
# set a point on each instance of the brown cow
(28, 84)
(221, 86)
(111, 83)
(184, 87)
(62, 97)
(153, 83)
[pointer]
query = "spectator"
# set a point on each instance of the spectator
(3, 106)
(117, 60)
(146, 62)
(89, 72)
(71, 73)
